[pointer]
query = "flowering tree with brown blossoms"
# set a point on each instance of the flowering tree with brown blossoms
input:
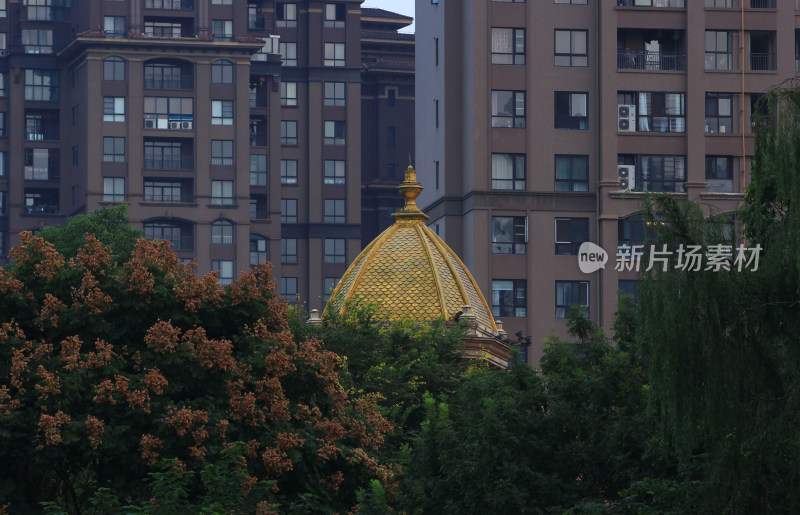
(109, 366)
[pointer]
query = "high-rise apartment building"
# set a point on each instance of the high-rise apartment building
(542, 123)
(231, 128)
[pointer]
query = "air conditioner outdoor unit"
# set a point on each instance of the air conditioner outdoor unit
(626, 118)
(149, 124)
(627, 177)
(186, 125)
(174, 125)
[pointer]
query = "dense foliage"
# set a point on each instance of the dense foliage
(110, 364)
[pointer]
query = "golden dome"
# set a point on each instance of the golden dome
(411, 272)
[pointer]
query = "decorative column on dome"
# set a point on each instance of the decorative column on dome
(410, 189)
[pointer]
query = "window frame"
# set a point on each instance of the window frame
(571, 57)
(289, 211)
(222, 152)
(332, 98)
(516, 49)
(222, 232)
(288, 250)
(114, 69)
(571, 182)
(288, 94)
(222, 193)
(286, 133)
(111, 109)
(716, 100)
(335, 132)
(222, 72)
(113, 189)
(335, 250)
(568, 244)
(289, 171)
(508, 120)
(256, 172)
(583, 291)
(113, 143)
(334, 211)
(570, 121)
(715, 53)
(334, 54)
(226, 271)
(222, 112)
(518, 307)
(517, 181)
(332, 174)
(513, 241)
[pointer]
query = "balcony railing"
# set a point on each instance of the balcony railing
(674, 4)
(46, 209)
(170, 163)
(258, 139)
(185, 82)
(170, 199)
(646, 60)
(39, 174)
(762, 4)
(762, 61)
(169, 4)
(255, 21)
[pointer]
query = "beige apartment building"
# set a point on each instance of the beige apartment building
(540, 124)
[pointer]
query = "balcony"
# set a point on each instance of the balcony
(184, 5)
(169, 163)
(258, 133)
(41, 201)
(646, 60)
(762, 61)
(651, 50)
(41, 127)
(255, 21)
(762, 4)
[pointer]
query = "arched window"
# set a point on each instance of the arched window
(222, 232)
(114, 68)
(258, 249)
(222, 72)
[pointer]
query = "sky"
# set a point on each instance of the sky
(399, 6)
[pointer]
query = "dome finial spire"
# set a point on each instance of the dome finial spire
(410, 188)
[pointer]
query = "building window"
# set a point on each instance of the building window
(719, 50)
(166, 155)
(508, 46)
(509, 234)
(222, 232)
(719, 112)
(221, 2)
(288, 171)
(571, 110)
(258, 170)
(28, 127)
(163, 190)
(334, 54)
(225, 269)
(222, 192)
(222, 30)
(334, 16)
(174, 113)
(37, 41)
(391, 98)
(334, 172)
(288, 94)
(41, 164)
(3, 163)
(631, 231)
(334, 94)
(222, 152)
(113, 189)
(657, 112)
(3, 14)
(508, 171)
(179, 236)
(328, 286)
(629, 287)
(334, 132)
(719, 174)
(334, 250)
(114, 68)
(658, 172)
(3, 84)
(258, 250)
(285, 15)
(288, 132)
(509, 298)
(289, 289)
(334, 211)
(289, 210)
(114, 26)
(288, 250)
(41, 85)
(113, 149)
(222, 72)
(2, 210)
(288, 53)
(391, 136)
(570, 233)
(720, 4)
(573, 2)
(572, 173)
(571, 48)
(163, 29)
(571, 293)
(508, 109)
(222, 112)
(168, 75)
(113, 109)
